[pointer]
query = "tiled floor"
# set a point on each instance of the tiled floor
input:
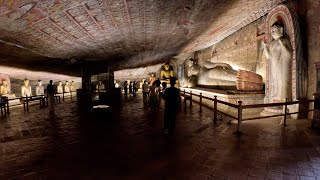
(128, 144)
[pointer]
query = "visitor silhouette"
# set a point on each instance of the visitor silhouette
(171, 96)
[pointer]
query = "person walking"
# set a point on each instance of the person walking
(145, 90)
(171, 96)
(125, 87)
(50, 95)
(130, 88)
(153, 97)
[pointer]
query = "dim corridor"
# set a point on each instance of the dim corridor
(128, 144)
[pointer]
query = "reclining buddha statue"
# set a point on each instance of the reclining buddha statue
(223, 76)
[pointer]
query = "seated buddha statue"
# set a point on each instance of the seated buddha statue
(26, 89)
(66, 87)
(166, 72)
(39, 89)
(100, 86)
(59, 88)
(4, 88)
(72, 87)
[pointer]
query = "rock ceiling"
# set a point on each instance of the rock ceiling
(124, 33)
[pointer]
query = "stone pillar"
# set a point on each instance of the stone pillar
(110, 79)
(316, 112)
(86, 80)
(84, 94)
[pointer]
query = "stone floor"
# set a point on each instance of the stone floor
(128, 144)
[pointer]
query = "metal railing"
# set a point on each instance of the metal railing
(63, 94)
(25, 100)
(241, 107)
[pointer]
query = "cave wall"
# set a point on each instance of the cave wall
(240, 50)
(309, 13)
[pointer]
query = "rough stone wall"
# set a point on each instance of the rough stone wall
(309, 12)
(240, 50)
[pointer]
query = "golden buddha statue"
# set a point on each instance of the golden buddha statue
(4, 88)
(166, 72)
(26, 89)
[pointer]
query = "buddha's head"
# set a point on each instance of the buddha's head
(166, 67)
(100, 82)
(276, 30)
(4, 82)
(26, 82)
(39, 82)
(67, 83)
(60, 83)
(152, 75)
(72, 83)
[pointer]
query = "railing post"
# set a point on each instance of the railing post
(284, 118)
(215, 111)
(8, 105)
(71, 95)
(24, 103)
(239, 118)
(27, 103)
(63, 96)
(190, 99)
(200, 102)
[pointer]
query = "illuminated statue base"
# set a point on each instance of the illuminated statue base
(252, 97)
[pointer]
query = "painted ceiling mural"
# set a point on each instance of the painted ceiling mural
(139, 31)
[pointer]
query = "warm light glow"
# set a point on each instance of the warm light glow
(235, 67)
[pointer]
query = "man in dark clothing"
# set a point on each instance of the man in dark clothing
(50, 94)
(125, 87)
(157, 82)
(171, 96)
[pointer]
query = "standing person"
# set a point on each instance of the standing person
(171, 96)
(50, 94)
(134, 87)
(125, 87)
(130, 88)
(157, 82)
(164, 86)
(153, 97)
(145, 90)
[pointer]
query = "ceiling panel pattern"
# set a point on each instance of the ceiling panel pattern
(140, 31)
